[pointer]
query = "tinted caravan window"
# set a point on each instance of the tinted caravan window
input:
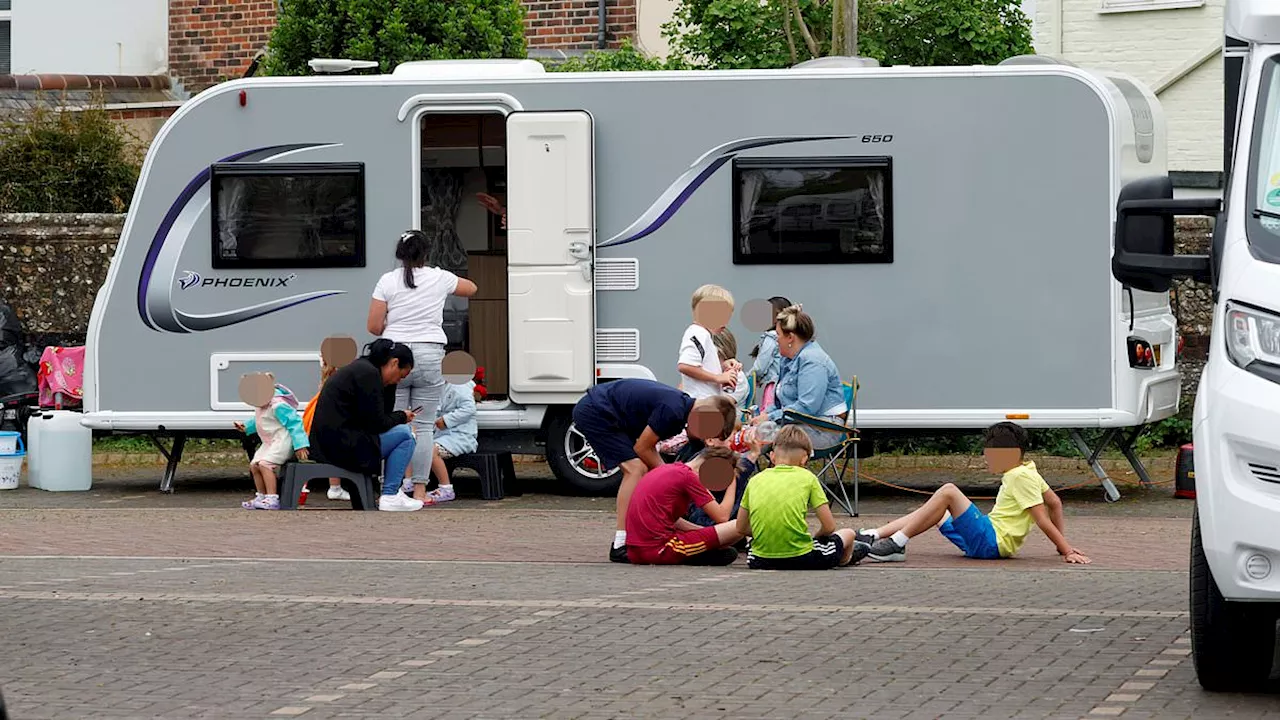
(818, 210)
(288, 216)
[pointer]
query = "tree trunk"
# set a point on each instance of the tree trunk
(844, 28)
(804, 30)
(786, 28)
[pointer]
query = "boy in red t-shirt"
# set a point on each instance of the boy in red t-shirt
(658, 534)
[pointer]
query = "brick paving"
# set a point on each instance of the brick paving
(122, 603)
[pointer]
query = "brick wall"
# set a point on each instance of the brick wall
(1149, 45)
(574, 24)
(215, 40)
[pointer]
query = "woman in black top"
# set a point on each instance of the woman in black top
(354, 426)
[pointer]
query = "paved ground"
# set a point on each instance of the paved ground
(121, 603)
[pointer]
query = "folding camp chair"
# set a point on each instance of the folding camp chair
(839, 454)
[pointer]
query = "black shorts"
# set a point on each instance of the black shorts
(825, 555)
(611, 444)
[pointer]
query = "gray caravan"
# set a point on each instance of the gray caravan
(949, 229)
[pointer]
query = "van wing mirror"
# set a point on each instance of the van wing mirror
(1144, 256)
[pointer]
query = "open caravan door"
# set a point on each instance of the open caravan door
(550, 232)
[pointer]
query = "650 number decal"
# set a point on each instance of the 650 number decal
(877, 138)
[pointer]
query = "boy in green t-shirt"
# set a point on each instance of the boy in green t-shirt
(1024, 498)
(774, 507)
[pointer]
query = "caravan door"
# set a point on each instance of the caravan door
(550, 240)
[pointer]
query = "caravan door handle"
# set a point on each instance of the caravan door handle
(579, 250)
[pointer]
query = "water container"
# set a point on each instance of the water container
(60, 456)
(9, 442)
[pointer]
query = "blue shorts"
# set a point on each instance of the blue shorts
(973, 533)
(612, 445)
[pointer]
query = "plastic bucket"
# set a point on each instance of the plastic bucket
(9, 442)
(11, 466)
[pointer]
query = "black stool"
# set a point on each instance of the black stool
(497, 471)
(296, 475)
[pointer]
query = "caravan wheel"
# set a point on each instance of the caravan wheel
(574, 462)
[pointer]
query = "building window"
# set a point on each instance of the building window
(6, 37)
(812, 211)
(288, 216)
(1118, 6)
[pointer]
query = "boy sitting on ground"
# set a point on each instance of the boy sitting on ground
(656, 532)
(774, 508)
(1024, 498)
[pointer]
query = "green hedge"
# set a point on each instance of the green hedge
(66, 161)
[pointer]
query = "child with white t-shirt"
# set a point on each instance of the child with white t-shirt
(702, 373)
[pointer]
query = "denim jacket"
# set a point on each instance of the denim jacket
(767, 359)
(458, 408)
(808, 383)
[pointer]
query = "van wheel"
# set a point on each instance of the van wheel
(1232, 644)
(574, 462)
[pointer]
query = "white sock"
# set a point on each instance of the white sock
(900, 538)
(273, 496)
(620, 538)
(875, 535)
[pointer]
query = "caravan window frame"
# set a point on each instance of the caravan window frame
(356, 170)
(882, 163)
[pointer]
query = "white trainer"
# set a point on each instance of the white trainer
(337, 493)
(398, 503)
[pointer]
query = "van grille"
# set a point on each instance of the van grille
(617, 274)
(1265, 473)
(617, 345)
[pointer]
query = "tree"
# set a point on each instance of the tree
(781, 33)
(626, 57)
(393, 31)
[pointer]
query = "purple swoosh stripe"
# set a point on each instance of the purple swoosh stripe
(200, 323)
(157, 241)
(732, 152)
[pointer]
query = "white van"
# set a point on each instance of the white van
(1235, 539)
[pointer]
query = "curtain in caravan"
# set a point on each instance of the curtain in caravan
(876, 182)
(441, 201)
(752, 184)
(231, 207)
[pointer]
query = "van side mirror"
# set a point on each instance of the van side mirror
(1144, 256)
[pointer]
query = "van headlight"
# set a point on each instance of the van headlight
(1253, 336)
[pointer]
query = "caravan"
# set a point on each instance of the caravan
(950, 230)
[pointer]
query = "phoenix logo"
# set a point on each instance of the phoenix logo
(188, 280)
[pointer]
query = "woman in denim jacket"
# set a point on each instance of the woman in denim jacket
(808, 382)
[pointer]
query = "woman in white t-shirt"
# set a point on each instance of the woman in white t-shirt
(408, 307)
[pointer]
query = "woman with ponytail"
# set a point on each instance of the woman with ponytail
(808, 381)
(356, 427)
(408, 308)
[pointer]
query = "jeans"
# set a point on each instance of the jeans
(423, 388)
(397, 450)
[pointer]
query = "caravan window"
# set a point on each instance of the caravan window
(812, 210)
(288, 216)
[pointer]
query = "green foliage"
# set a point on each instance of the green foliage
(66, 161)
(751, 34)
(1164, 435)
(393, 31)
(624, 58)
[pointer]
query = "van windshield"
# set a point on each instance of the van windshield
(1263, 224)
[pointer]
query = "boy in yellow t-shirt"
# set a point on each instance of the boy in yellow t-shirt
(1024, 498)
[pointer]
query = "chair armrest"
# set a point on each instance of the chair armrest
(791, 416)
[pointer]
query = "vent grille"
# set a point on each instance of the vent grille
(1265, 473)
(617, 345)
(617, 274)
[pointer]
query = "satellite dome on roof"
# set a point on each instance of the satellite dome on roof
(468, 69)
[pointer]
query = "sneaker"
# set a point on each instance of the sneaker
(398, 503)
(886, 550)
(618, 554)
(268, 502)
(863, 536)
(860, 551)
(442, 494)
(337, 493)
(248, 504)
